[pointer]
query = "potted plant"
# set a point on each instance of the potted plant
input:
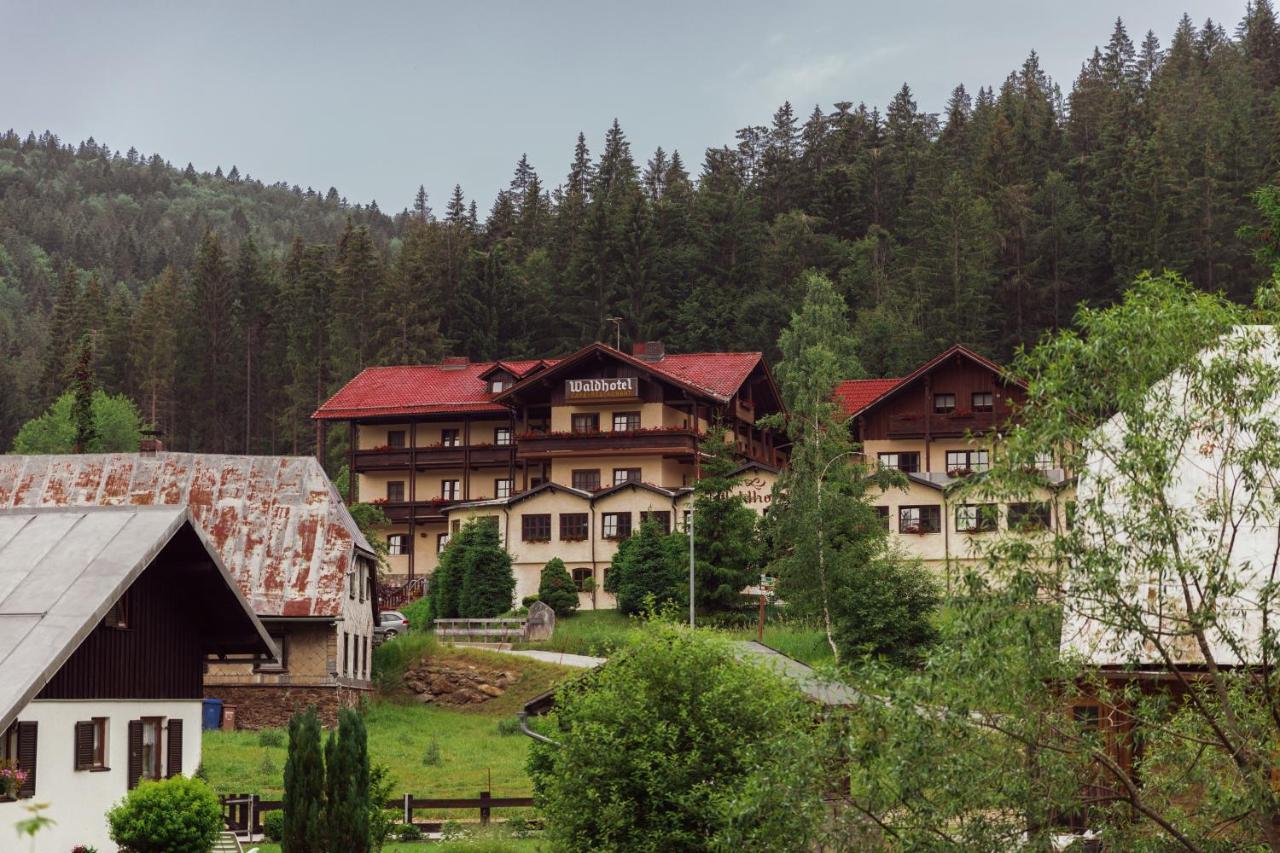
(12, 778)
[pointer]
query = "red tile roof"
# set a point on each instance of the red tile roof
(854, 395)
(277, 521)
(431, 389)
(721, 373)
(420, 389)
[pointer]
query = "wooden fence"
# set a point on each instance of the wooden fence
(243, 813)
(497, 630)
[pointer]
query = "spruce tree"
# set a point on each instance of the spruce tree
(304, 785)
(556, 588)
(727, 546)
(83, 387)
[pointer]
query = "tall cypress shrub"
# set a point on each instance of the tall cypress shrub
(304, 787)
(556, 588)
(347, 814)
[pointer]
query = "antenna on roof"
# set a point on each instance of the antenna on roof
(617, 331)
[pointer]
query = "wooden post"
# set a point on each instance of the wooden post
(760, 628)
(408, 808)
(413, 491)
(484, 808)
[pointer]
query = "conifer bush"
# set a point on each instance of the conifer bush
(303, 787)
(556, 588)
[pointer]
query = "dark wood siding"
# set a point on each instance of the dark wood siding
(914, 404)
(159, 656)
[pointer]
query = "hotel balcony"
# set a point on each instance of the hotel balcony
(396, 458)
(402, 512)
(677, 442)
(954, 425)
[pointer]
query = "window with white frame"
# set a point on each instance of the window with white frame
(398, 544)
(961, 462)
(976, 518)
(449, 490)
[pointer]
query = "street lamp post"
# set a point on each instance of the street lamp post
(690, 531)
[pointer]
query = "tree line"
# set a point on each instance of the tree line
(227, 308)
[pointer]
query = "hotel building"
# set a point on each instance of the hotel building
(567, 456)
(938, 425)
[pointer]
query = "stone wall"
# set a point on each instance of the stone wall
(270, 706)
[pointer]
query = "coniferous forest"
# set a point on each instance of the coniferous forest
(226, 307)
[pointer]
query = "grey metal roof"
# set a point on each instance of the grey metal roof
(61, 570)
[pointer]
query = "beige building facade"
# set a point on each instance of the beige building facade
(568, 456)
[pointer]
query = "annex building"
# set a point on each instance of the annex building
(939, 425)
(568, 456)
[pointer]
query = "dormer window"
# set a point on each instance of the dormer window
(497, 386)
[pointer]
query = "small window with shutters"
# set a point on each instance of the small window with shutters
(173, 748)
(91, 744)
(145, 756)
(18, 752)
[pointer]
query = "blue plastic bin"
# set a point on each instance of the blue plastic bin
(212, 714)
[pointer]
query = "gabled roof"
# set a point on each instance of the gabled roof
(277, 522)
(715, 375)
(61, 570)
(858, 395)
(639, 484)
(419, 389)
(520, 496)
(519, 369)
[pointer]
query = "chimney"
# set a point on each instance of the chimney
(150, 443)
(649, 350)
(455, 362)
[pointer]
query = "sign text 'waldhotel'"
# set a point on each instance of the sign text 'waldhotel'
(601, 389)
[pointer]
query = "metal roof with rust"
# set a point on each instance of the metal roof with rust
(60, 571)
(277, 522)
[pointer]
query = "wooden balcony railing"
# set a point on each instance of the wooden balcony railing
(941, 426)
(670, 440)
(401, 512)
(392, 458)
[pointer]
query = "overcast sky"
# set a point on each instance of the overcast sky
(377, 96)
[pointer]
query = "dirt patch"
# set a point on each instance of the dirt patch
(457, 683)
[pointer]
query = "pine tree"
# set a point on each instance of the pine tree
(421, 210)
(154, 347)
(210, 349)
(304, 784)
(83, 387)
(456, 212)
(64, 331)
(649, 569)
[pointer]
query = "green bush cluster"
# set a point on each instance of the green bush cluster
(178, 814)
(474, 578)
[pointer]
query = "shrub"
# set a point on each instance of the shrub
(271, 738)
(488, 581)
(886, 610)
(347, 785)
(508, 726)
(273, 825)
(418, 613)
(650, 564)
(684, 747)
(431, 757)
(408, 832)
(556, 588)
(167, 816)
(528, 600)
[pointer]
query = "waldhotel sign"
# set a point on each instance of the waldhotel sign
(623, 388)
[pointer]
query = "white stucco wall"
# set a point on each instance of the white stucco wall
(79, 799)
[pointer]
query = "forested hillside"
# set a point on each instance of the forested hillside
(229, 307)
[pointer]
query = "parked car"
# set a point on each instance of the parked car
(391, 624)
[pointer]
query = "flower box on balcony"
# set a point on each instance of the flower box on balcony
(960, 472)
(915, 529)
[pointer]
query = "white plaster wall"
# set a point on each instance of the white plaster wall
(79, 799)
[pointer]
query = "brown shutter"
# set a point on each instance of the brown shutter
(135, 753)
(174, 756)
(27, 758)
(84, 745)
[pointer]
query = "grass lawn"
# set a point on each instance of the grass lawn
(588, 632)
(430, 751)
(472, 845)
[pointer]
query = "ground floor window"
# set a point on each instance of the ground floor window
(581, 576)
(919, 519)
(398, 544)
(151, 737)
(91, 744)
(976, 518)
(1029, 516)
(573, 526)
(442, 539)
(661, 517)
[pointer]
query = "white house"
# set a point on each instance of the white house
(107, 616)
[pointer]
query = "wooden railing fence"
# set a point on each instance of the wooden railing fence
(498, 630)
(243, 813)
